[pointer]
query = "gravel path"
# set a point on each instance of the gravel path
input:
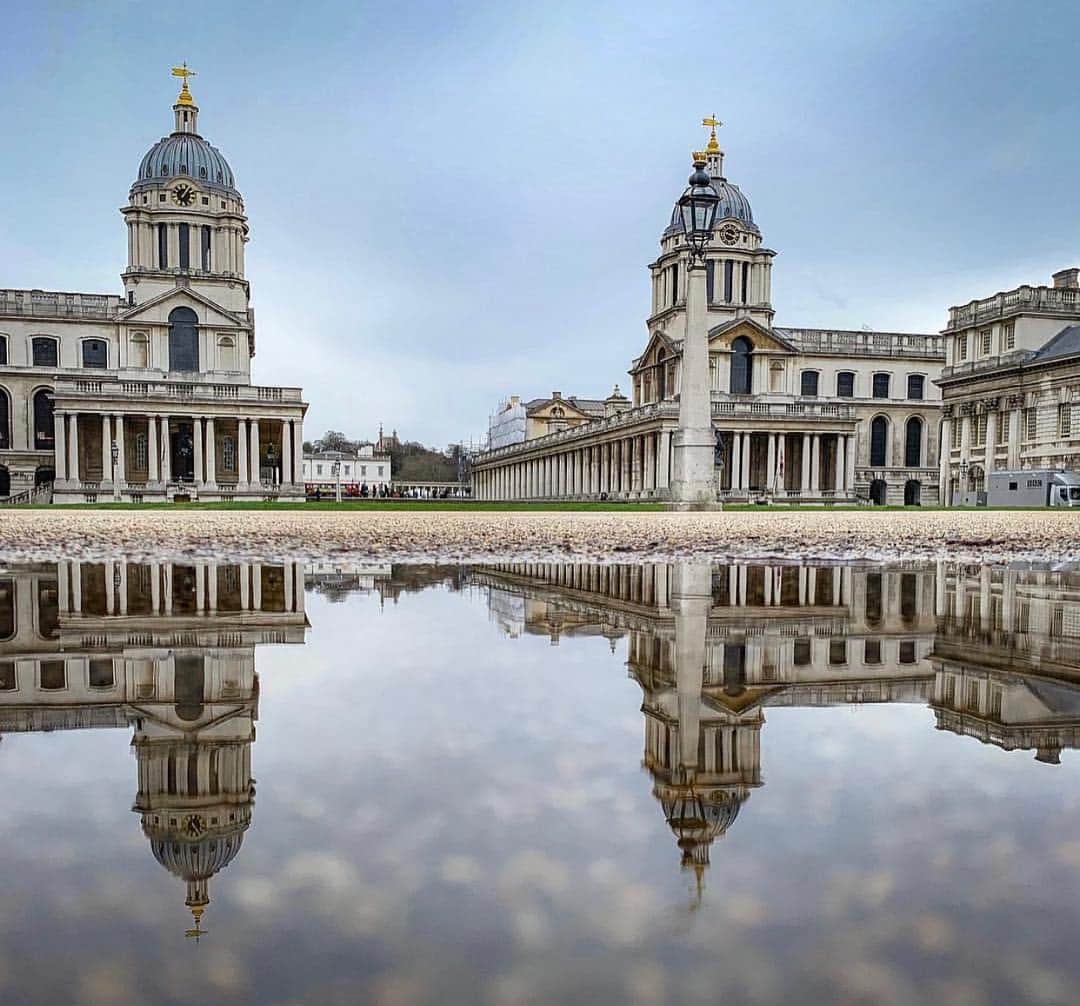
(1045, 535)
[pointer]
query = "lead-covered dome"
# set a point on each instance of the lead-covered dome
(186, 154)
(733, 205)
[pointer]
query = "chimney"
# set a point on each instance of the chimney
(556, 395)
(1067, 279)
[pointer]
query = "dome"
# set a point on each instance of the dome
(196, 860)
(733, 205)
(186, 154)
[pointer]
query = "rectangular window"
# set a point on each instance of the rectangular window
(729, 280)
(318, 469)
(915, 386)
(961, 347)
(1008, 336)
(809, 383)
(228, 454)
(973, 695)
(1065, 420)
(43, 352)
(673, 282)
(1003, 428)
(380, 471)
(8, 681)
(957, 431)
(101, 674)
(872, 651)
(3, 349)
(980, 429)
(746, 283)
(995, 703)
(985, 342)
(363, 470)
(802, 652)
(163, 246)
(710, 276)
(1029, 424)
(907, 651)
(845, 385)
(881, 385)
(348, 469)
(52, 674)
(142, 451)
(206, 249)
(184, 236)
(837, 651)
(950, 690)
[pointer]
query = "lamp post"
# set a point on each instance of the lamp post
(271, 459)
(115, 454)
(336, 470)
(963, 472)
(693, 483)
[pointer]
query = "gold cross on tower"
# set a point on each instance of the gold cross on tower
(185, 95)
(712, 122)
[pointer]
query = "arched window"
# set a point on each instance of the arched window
(809, 387)
(44, 433)
(183, 339)
(189, 684)
(913, 442)
(661, 375)
(879, 441)
(915, 385)
(95, 353)
(140, 350)
(226, 353)
(741, 360)
(44, 352)
(845, 385)
(5, 420)
(881, 385)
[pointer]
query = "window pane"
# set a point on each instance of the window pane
(879, 430)
(3, 349)
(101, 674)
(881, 385)
(52, 674)
(915, 386)
(44, 352)
(809, 383)
(845, 385)
(95, 353)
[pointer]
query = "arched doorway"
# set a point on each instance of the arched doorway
(741, 360)
(912, 493)
(183, 339)
(44, 475)
(878, 491)
(5, 482)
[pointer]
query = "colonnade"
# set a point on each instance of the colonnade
(1001, 432)
(635, 466)
(145, 450)
(826, 469)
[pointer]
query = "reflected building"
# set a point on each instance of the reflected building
(166, 650)
(995, 654)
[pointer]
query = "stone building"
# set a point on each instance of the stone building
(362, 468)
(167, 651)
(147, 395)
(1011, 385)
(803, 414)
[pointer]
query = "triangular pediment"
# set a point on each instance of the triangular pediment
(550, 410)
(764, 338)
(156, 310)
(657, 340)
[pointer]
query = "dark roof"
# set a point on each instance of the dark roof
(581, 404)
(1065, 343)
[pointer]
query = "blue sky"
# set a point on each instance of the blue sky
(451, 203)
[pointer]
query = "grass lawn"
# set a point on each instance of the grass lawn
(489, 506)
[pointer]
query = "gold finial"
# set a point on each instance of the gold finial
(194, 934)
(185, 95)
(712, 122)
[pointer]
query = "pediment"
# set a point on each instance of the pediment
(658, 340)
(156, 310)
(549, 410)
(764, 339)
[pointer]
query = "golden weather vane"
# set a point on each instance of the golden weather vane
(712, 122)
(185, 95)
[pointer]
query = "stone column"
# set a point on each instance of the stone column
(110, 589)
(770, 463)
(286, 453)
(106, 450)
(693, 480)
(256, 587)
(60, 445)
(650, 461)
(626, 452)
(944, 456)
(73, 444)
(121, 453)
(965, 444)
(815, 464)
(211, 587)
(76, 586)
(153, 455)
(166, 451)
(850, 484)
(841, 464)
(1014, 438)
(245, 586)
(242, 451)
(200, 587)
(635, 465)
(744, 479)
(991, 440)
(663, 466)
(155, 586)
(197, 427)
(736, 461)
(298, 451)
(211, 453)
(805, 483)
(254, 459)
(63, 597)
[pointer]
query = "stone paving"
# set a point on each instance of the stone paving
(1040, 535)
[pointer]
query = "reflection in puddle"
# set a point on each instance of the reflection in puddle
(167, 652)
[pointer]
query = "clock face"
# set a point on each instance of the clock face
(729, 234)
(183, 195)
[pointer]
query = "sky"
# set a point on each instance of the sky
(453, 202)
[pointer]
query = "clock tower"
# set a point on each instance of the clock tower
(185, 217)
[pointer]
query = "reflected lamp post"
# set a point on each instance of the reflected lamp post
(693, 482)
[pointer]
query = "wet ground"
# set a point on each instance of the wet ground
(688, 782)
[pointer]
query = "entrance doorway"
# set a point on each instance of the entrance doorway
(878, 490)
(912, 493)
(182, 452)
(45, 475)
(5, 482)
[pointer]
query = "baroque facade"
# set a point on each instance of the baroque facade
(803, 415)
(1011, 385)
(147, 396)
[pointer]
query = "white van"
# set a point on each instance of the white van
(1037, 487)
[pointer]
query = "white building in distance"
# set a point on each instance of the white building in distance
(147, 396)
(365, 468)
